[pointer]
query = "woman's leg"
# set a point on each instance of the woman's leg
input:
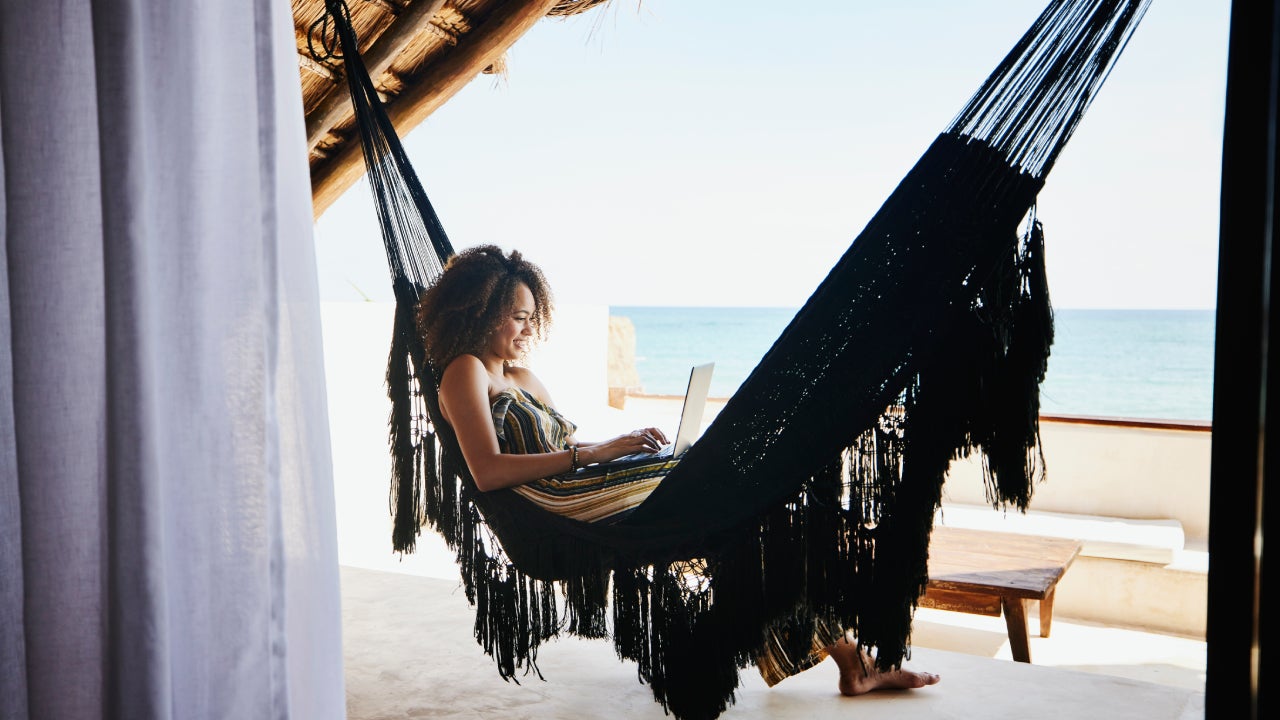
(858, 672)
(780, 660)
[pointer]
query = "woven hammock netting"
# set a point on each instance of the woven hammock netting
(812, 495)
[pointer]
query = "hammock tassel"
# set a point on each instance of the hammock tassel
(407, 452)
(1014, 459)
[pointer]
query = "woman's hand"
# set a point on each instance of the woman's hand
(643, 440)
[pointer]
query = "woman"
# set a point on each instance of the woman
(477, 321)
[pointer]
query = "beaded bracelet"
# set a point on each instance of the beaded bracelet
(573, 458)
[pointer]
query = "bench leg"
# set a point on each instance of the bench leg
(1046, 613)
(1015, 619)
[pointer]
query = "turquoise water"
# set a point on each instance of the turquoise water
(1155, 364)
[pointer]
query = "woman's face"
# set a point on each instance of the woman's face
(511, 338)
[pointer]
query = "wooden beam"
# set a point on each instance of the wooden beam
(308, 63)
(441, 81)
(336, 102)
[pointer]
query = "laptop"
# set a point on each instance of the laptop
(695, 402)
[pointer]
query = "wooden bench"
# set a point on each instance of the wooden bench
(990, 573)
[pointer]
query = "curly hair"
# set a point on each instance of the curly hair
(472, 297)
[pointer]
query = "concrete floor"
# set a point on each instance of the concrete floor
(409, 654)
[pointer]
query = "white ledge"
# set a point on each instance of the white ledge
(1158, 541)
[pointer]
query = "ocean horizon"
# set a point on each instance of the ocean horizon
(1132, 363)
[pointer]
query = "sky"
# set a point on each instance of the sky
(703, 152)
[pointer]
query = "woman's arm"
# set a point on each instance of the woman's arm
(464, 399)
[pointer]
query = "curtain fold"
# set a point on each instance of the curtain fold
(167, 533)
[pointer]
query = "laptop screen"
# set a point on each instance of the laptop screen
(695, 402)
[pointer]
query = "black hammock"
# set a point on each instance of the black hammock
(811, 496)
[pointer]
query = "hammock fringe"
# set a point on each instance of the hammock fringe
(861, 523)
(412, 462)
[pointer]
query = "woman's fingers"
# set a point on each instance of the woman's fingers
(643, 440)
(650, 438)
(658, 435)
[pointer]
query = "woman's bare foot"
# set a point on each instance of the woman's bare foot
(858, 673)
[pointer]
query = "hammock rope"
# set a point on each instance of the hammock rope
(810, 499)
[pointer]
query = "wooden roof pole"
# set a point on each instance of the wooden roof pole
(475, 51)
(337, 101)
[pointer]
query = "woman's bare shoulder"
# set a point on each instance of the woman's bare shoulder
(464, 363)
(464, 384)
(464, 370)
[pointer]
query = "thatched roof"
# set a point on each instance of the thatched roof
(419, 54)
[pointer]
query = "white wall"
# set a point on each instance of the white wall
(1114, 471)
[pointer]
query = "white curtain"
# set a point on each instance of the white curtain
(167, 533)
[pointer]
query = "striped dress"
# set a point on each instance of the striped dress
(598, 493)
(606, 493)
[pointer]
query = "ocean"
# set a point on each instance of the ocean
(1147, 364)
